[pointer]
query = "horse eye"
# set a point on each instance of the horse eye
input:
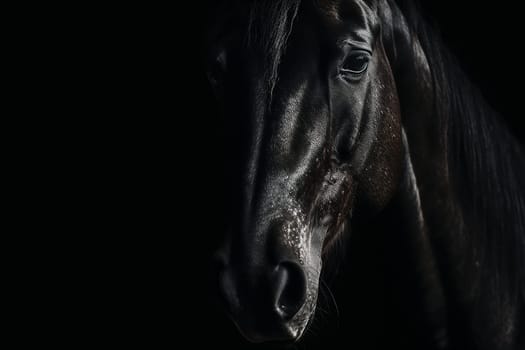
(217, 69)
(356, 62)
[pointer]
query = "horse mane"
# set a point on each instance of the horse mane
(270, 23)
(486, 166)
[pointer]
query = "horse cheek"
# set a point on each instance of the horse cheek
(381, 174)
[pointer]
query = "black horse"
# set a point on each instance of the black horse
(351, 129)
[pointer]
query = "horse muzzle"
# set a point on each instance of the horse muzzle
(269, 289)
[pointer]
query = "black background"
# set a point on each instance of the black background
(163, 191)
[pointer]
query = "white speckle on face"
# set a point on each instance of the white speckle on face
(297, 237)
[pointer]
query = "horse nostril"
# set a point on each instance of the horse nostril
(291, 289)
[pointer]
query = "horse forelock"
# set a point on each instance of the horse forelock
(270, 24)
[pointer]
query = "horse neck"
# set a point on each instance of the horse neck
(483, 299)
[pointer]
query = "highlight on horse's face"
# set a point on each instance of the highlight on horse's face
(306, 105)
